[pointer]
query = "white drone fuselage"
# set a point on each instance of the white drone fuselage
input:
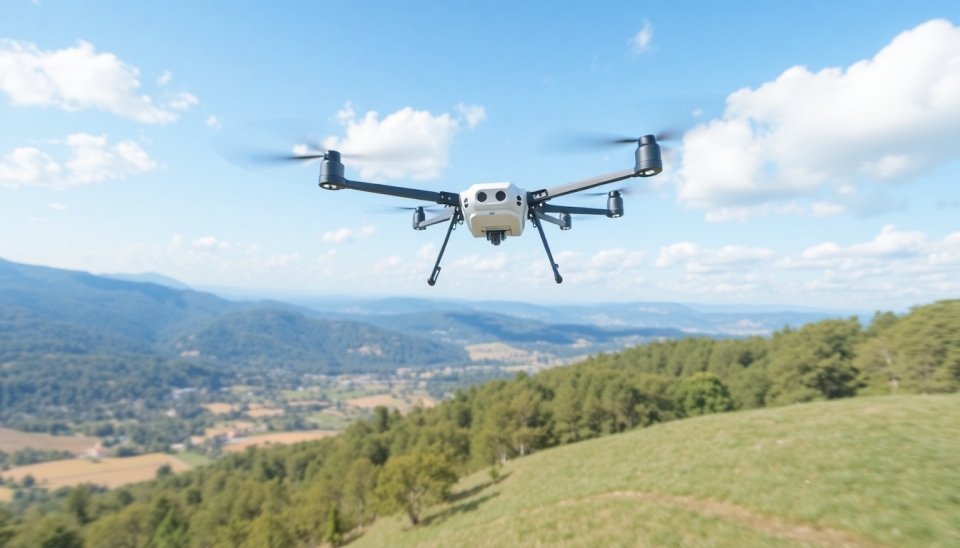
(494, 207)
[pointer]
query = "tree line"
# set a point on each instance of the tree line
(326, 490)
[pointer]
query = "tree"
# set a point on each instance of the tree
(334, 533)
(815, 362)
(78, 503)
(359, 485)
(410, 482)
(703, 393)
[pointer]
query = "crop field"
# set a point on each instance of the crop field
(111, 472)
(395, 401)
(221, 429)
(220, 408)
(6, 494)
(278, 438)
(259, 413)
(858, 473)
(498, 352)
(12, 440)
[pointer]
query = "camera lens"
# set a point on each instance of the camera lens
(501, 195)
(481, 196)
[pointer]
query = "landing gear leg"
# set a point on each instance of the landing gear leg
(543, 237)
(436, 268)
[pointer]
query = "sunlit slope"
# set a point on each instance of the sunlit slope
(859, 472)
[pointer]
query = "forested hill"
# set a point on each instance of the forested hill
(305, 494)
(70, 341)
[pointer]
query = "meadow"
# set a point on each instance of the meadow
(864, 472)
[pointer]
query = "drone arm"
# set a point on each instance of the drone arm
(541, 196)
(544, 217)
(443, 198)
(445, 216)
(547, 208)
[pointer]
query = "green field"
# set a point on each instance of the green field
(863, 472)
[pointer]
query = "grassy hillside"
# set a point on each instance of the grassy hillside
(859, 472)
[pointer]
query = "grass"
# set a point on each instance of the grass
(12, 440)
(866, 472)
(111, 472)
(328, 421)
(193, 459)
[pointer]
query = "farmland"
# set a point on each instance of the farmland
(110, 472)
(13, 440)
(279, 438)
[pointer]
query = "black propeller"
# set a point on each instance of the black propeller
(582, 141)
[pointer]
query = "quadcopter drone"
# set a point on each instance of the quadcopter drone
(496, 211)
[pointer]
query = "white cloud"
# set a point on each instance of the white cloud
(642, 42)
(408, 143)
(213, 122)
(482, 263)
(58, 207)
(701, 259)
(473, 114)
(426, 252)
(93, 160)
(78, 78)
(183, 101)
(346, 234)
(891, 244)
(207, 242)
(879, 121)
(165, 78)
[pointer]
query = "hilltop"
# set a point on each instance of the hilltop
(863, 472)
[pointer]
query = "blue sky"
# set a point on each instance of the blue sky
(819, 166)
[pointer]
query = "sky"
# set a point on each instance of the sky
(818, 166)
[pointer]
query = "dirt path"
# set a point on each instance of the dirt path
(824, 537)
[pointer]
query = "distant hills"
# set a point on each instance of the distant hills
(109, 328)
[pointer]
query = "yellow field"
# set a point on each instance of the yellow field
(111, 472)
(392, 401)
(257, 413)
(279, 438)
(6, 494)
(12, 440)
(220, 408)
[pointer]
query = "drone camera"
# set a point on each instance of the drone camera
(649, 162)
(567, 221)
(496, 236)
(614, 204)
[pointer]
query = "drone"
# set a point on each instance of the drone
(496, 211)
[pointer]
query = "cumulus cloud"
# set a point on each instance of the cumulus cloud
(93, 160)
(472, 114)
(890, 244)
(77, 78)
(642, 42)
(347, 234)
(407, 143)
(165, 78)
(701, 259)
(212, 122)
(878, 121)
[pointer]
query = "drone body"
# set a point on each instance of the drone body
(496, 211)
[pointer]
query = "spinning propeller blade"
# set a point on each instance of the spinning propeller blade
(583, 141)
